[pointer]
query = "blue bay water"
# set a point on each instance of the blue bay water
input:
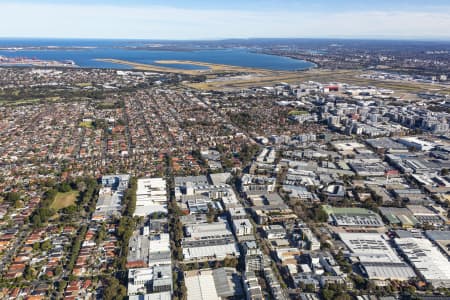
(114, 49)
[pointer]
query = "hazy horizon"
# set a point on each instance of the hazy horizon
(210, 20)
(375, 39)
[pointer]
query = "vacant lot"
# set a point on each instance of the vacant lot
(63, 200)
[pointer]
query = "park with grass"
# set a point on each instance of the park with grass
(87, 124)
(64, 199)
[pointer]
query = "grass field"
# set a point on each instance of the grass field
(83, 84)
(212, 68)
(87, 124)
(263, 77)
(403, 89)
(63, 200)
(28, 101)
(297, 112)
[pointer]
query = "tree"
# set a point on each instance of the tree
(328, 294)
(28, 273)
(344, 296)
(62, 285)
(36, 246)
(231, 262)
(36, 220)
(18, 204)
(114, 290)
(320, 215)
(227, 163)
(410, 289)
(81, 186)
(310, 288)
(360, 282)
(70, 210)
(49, 197)
(65, 187)
(13, 197)
(248, 152)
(46, 245)
(58, 270)
(101, 234)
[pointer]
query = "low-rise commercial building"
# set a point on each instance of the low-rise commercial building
(427, 260)
(151, 196)
(157, 279)
(377, 259)
(209, 241)
(352, 216)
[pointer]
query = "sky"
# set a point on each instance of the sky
(209, 19)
